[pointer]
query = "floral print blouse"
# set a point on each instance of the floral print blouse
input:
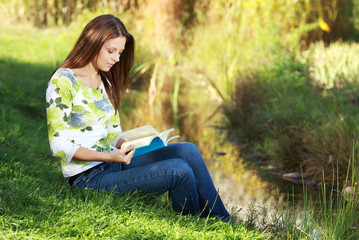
(78, 115)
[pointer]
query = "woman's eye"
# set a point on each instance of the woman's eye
(110, 51)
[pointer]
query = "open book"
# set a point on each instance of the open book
(147, 139)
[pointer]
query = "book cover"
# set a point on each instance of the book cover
(147, 139)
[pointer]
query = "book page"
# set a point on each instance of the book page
(138, 142)
(171, 139)
(164, 135)
(139, 132)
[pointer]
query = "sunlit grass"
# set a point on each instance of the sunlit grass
(334, 66)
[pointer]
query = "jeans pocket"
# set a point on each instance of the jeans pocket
(84, 179)
(78, 183)
(87, 179)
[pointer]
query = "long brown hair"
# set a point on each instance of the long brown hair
(89, 44)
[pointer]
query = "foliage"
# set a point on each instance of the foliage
(338, 214)
(44, 13)
(281, 105)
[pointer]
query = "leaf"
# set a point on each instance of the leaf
(323, 25)
(58, 100)
(66, 118)
(62, 106)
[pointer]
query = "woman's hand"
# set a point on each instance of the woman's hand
(120, 155)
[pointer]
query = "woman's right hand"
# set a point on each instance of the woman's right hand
(120, 155)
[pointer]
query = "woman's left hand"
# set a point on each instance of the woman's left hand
(120, 155)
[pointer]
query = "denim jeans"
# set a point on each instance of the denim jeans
(178, 168)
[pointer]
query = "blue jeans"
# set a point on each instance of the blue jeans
(178, 168)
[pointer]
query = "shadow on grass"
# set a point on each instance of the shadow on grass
(23, 86)
(28, 172)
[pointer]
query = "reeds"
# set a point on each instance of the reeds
(335, 65)
(335, 215)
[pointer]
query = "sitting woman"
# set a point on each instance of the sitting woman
(83, 98)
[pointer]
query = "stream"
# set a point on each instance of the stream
(245, 188)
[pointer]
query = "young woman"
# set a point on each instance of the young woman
(83, 98)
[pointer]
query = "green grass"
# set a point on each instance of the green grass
(335, 215)
(34, 199)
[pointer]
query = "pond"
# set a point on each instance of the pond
(247, 187)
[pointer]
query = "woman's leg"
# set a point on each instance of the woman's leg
(172, 175)
(209, 200)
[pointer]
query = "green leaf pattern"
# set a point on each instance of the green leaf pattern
(61, 155)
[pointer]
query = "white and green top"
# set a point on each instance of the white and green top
(78, 115)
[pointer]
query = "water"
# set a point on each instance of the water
(245, 188)
(242, 190)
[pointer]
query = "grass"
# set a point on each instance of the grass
(330, 71)
(335, 215)
(34, 199)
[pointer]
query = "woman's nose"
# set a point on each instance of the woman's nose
(116, 58)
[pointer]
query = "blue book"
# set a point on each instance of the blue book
(147, 139)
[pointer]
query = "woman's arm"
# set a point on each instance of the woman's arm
(59, 96)
(119, 155)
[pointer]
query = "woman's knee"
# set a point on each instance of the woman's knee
(185, 149)
(180, 167)
(189, 146)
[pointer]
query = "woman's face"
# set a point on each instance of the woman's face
(110, 53)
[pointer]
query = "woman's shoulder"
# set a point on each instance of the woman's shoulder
(64, 75)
